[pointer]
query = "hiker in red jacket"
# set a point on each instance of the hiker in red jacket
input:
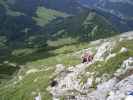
(87, 57)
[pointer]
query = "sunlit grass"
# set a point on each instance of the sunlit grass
(44, 16)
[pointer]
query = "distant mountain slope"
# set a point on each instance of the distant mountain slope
(123, 25)
(121, 8)
(20, 23)
(29, 6)
(118, 10)
(87, 25)
(69, 6)
(44, 15)
(16, 23)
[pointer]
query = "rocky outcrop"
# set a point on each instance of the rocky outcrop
(126, 68)
(104, 51)
(75, 83)
(123, 49)
(126, 36)
(121, 89)
(101, 92)
(68, 81)
(69, 85)
(38, 97)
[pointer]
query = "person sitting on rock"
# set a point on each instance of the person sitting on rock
(87, 57)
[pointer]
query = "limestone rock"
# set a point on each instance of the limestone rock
(32, 71)
(103, 51)
(59, 68)
(121, 89)
(126, 65)
(38, 97)
(123, 49)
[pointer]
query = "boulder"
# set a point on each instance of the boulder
(130, 97)
(123, 49)
(103, 51)
(121, 89)
(59, 68)
(32, 71)
(38, 97)
(126, 65)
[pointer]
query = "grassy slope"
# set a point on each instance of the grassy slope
(87, 25)
(23, 89)
(44, 15)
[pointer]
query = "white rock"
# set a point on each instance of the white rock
(121, 89)
(127, 34)
(71, 68)
(118, 97)
(6, 62)
(103, 51)
(47, 69)
(59, 68)
(127, 64)
(88, 74)
(20, 78)
(56, 98)
(38, 97)
(68, 82)
(105, 77)
(12, 64)
(123, 49)
(98, 80)
(88, 84)
(32, 71)
(102, 90)
(130, 97)
(121, 39)
(35, 80)
(96, 42)
(111, 93)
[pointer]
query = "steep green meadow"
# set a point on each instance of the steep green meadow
(44, 16)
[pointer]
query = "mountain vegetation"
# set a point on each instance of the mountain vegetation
(37, 35)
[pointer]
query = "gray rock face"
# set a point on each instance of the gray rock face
(70, 82)
(102, 90)
(123, 49)
(114, 89)
(103, 51)
(121, 89)
(127, 65)
(38, 97)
